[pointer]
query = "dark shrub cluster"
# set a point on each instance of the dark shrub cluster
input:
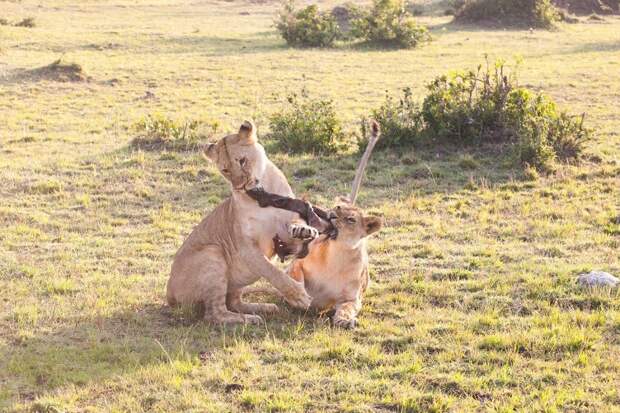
(484, 107)
(589, 6)
(307, 125)
(157, 132)
(307, 27)
(386, 23)
(525, 13)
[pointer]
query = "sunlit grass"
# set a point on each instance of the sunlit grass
(473, 303)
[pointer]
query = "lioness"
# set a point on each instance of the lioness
(335, 271)
(229, 248)
(334, 266)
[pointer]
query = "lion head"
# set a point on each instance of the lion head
(239, 157)
(352, 225)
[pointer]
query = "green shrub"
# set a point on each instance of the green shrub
(543, 133)
(389, 23)
(484, 107)
(307, 125)
(465, 106)
(307, 27)
(528, 13)
(156, 132)
(400, 121)
(489, 107)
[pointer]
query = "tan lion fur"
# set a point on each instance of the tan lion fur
(232, 245)
(335, 272)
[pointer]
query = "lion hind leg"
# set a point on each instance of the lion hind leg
(217, 312)
(234, 302)
(214, 292)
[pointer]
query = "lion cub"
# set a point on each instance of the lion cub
(335, 271)
(230, 248)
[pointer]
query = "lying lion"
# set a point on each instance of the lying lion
(335, 271)
(230, 248)
(334, 265)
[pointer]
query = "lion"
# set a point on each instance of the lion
(334, 265)
(231, 247)
(335, 271)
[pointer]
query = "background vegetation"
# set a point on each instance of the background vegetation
(386, 23)
(473, 304)
(528, 13)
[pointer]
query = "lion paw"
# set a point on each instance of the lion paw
(252, 319)
(304, 232)
(298, 297)
(345, 323)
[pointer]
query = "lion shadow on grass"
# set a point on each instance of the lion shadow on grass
(92, 349)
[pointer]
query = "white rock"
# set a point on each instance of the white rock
(597, 279)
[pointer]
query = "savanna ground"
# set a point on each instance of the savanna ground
(473, 305)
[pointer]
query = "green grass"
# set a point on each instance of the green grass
(473, 304)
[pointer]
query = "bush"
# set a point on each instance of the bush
(489, 107)
(307, 125)
(400, 121)
(389, 23)
(528, 13)
(156, 132)
(589, 6)
(544, 133)
(485, 107)
(307, 27)
(463, 106)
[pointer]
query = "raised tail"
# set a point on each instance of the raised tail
(361, 167)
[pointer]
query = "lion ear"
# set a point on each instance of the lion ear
(342, 200)
(372, 224)
(247, 133)
(210, 152)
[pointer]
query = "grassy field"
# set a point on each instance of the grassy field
(473, 304)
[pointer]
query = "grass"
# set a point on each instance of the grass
(473, 304)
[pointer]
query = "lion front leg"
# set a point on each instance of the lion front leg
(293, 291)
(346, 313)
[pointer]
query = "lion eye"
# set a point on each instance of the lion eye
(243, 161)
(351, 220)
(225, 170)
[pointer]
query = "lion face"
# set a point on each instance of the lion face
(239, 157)
(352, 225)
